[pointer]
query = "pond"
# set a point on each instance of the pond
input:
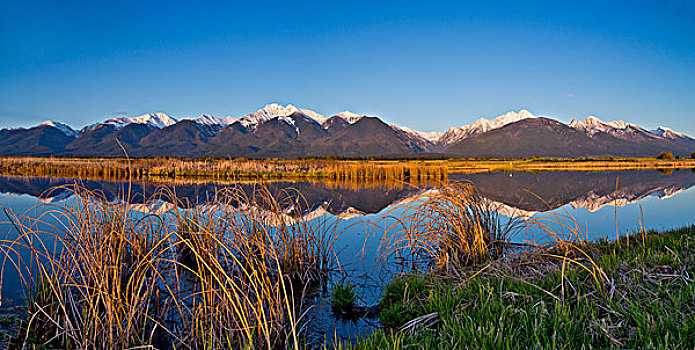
(604, 204)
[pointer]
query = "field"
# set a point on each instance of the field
(302, 169)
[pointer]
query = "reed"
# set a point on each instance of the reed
(446, 228)
(233, 273)
(226, 275)
(228, 169)
(344, 170)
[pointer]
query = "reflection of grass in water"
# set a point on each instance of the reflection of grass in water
(665, 171)
(220, 278)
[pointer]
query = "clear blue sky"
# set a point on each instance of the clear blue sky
(426, 65)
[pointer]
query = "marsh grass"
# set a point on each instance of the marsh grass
(234, 273)
(565, 293)
(343, 300)
(343, 171)
(225, 275)
(445, 228)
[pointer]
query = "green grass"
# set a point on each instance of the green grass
(532, 302)
(343, 300)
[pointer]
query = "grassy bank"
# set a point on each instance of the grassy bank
(636, 294)
(584, 164)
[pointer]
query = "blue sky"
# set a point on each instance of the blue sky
(425, 65)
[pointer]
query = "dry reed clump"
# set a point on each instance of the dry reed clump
(221, 275)
(446, 228)
(452, 227)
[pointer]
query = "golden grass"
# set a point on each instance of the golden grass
(353, 171)
(587, 164)
(446, 228)
(228, 276)
(452, 227)
(229, 169)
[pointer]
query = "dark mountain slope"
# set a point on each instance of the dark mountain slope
(335, 124)
(547, 138)
(274, 138)
(368, 136)
(101, 141)
(42, 140)
(183, 139)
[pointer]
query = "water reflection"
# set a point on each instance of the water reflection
(525, 193)
(542, 192)
(341, 200)
(667, 199)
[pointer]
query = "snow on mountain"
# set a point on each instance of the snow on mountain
(275, 110)
(593, 125)
(593, 202)
(210, 120)
(619, 129)
(667, 133)
(350, 117)
(482, 125)
(64, 128)
(432, 136)
(157, 120)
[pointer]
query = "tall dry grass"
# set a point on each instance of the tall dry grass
(451, 228)
(225, 169)
(227, 275)
(446, 228)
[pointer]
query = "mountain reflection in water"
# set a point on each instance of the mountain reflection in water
(529, 193)
(341, 200)
(522, 194)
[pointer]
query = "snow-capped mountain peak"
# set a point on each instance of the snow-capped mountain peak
(157, 120)
(667, 133)
(210, 120)
(432, 136)
(64, 128)
(482, 125)
(508, 118)
(275, 110)
(350, 117)
(593, 125)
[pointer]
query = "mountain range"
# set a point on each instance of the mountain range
(290, 132)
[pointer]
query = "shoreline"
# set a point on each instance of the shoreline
(313, 169)
(633, 293)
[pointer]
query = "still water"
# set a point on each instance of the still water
(603, 204)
